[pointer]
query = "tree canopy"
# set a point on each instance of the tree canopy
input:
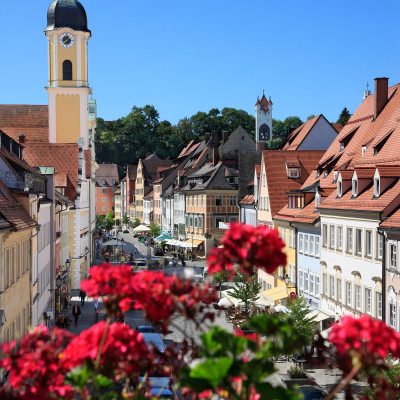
(344, 117)
(127, 139)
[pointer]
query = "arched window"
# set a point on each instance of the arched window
(264, 132)
(67, 70)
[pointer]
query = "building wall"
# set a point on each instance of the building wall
(346, 266)
(308, 260)
(248, 215)
(264, 215)
(320, 137)
(139, 191)
(15, 284)
(105, 201)
(392, 284)
(157, 204)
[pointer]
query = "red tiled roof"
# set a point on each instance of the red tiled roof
(31, 120)
(63, 157)
(61, 180)
(365, 173)
(278, 182)
(393, 221)
(307, 214)
(388, 171)
(249, 199)
(13, 212)
(338, 127)
(108, 172)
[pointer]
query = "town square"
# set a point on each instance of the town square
(200, 201)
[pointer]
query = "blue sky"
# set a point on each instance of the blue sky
(310, 56)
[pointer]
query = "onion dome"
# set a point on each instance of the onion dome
(66, 14)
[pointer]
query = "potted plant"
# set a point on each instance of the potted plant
(296, 372)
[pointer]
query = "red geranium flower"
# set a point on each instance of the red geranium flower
(249, 247)
(34, 369)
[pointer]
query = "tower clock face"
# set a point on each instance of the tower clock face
(66, 40)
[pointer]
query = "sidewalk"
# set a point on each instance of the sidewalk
(87, 317)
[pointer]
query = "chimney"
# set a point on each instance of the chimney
(207, 137)
(214, 146)
(381, 95)
(225, 135)
(21, 138)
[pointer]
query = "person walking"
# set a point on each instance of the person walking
(183, 259)
(76, 312)
(82, 295)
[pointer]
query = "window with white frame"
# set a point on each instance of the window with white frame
(349, 238)
(348, 294)
(392, 315)
(312, 245)
(104, 208)
(339, 290)
(378, 302)
(290, 237)
(379, 245)
(306, 281)
(332, 284)
(358, 296)
(355, 187)
(339, 188)
(311, 284)
(305, 244)
(104, 199)
(368, 243)
(300, 243)
(392, 255)
(377, 187)
(359, 242)
(316, 246)
(325, 235)
(104, 191)
(233, 201)
(317, 285)
(325, 284)
(339, 236)
(267, 203)
(367, 300)
(290, 272)
(301, 280)
(332, 236)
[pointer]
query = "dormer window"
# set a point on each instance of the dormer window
(342, 145)
(335, 173)
(103, 181)
(355, 187)
(114, 182)
(377, 187)
(294, 173)
(318, 173)
(317, 199)
(363, 149)
(339, 188)
(326, 173)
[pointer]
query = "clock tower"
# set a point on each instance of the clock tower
(68, 87)
(263, 122)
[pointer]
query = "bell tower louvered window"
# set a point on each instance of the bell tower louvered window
(67, 70)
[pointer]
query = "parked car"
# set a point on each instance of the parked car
(158, 251)
(146, 329)
(125, 231)
(161, 387)
(140, 262)
(311, 393)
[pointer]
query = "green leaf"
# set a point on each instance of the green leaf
(78, 376)
(269, 392)
(212, 371)
(103, 381)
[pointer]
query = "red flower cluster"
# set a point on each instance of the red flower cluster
(250, 247)
(114, 283)
(34, 368)
(368, 338)
(161, 296)
(124, 351)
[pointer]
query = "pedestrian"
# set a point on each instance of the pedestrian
(82, 295)
(76, 312)
(183, 260)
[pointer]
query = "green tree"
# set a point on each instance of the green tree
(100, 221)
(274, 144)
(303, 324)
(311, 116)
(109, 220)
(136, 223)
(155, 229)
(125, 219)
(280, 128)
(246, 290)
(344, 117)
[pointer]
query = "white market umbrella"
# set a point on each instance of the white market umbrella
(281, 308)
(186, 244)
(141, 228)
(225, 302)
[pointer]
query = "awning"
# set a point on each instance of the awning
(320, 316)
(274, 294)
(196, 242)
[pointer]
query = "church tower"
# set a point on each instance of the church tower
(263, 122)
(68, 86)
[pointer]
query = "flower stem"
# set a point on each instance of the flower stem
(345, 381)
(103, 341)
